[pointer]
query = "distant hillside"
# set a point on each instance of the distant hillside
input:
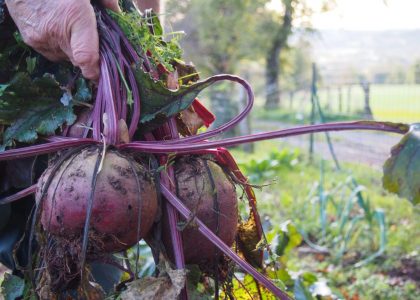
(365, 52)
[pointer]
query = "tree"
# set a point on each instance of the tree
(221, 33)
(279, 26)
(218, 32)
(217, 38)
(275, 26)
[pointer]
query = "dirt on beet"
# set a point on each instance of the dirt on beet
(124, 196)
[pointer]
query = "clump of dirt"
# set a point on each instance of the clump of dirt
(409, 269)
(62, 257)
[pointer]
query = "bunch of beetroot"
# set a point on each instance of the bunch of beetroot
(133, 167)
(95, 200)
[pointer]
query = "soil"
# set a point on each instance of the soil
(409, 269)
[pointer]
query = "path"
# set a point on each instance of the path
(365, 147)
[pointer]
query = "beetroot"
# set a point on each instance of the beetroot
(209, 193)
(115, 211)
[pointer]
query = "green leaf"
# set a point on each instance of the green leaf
(402, 169)
(83, 91)
(248, 289)
(154, 22)
(159, 103)
(287, 239)
(30, 64)
(32, 107)
(300, 291)
(43, 120)
(3, 87)
(309, 278)
(145, 32)
(12, 287)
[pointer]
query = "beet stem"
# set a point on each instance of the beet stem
(162, 147)
(19, 195)
(170, 128)
(188, 148)
(89, 213)
(44, 148)
(184, 211)
(172, 215)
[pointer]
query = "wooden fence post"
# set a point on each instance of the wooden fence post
(366, 90)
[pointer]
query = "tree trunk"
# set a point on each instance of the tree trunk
(272, 60)
(272, 73)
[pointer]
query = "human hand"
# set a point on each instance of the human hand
(61, 30)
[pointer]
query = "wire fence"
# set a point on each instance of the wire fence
(349, 96)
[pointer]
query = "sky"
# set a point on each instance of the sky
(365, 15)
(369, 15)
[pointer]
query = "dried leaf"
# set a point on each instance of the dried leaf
(172, 81)
(167, 286)
(248, 240)
(189, 122)
(123, 129)
(187, 72)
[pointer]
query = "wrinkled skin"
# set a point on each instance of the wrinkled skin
(61, 30)
(65, 29)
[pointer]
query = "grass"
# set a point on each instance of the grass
(396, 103)
(288, 198)
(290, 187)
(297, 117)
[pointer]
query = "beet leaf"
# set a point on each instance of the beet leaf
(158, 100)
(403, 166)
(33, 107)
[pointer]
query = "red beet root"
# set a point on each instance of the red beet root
(208, 192)
(117, 196)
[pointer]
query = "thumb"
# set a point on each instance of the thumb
(84, 44)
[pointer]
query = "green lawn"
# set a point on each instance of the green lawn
(397, 103)
(293, 194)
